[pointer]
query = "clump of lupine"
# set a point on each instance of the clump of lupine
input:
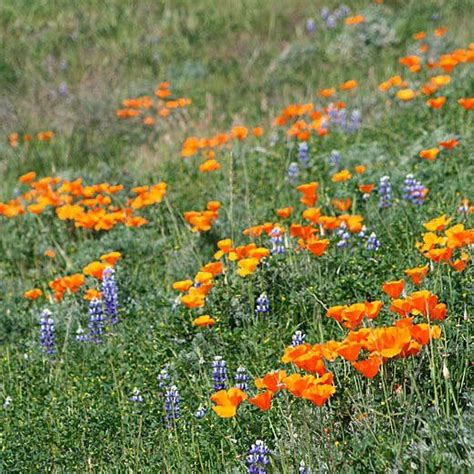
(276, 239)
(219, 373)
(373, 243)
(136, 396)
(293, 172)
(257, 459)
(242, 378)
(385, 192)
(172, 405)
(414, 191)
(110, 294)
(47, 332)
(335, 158)
(298, 338)
(96, 321)
(303, 154)
(262, 304)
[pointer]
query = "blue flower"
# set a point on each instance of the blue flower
(110, 294)
(219, 373)
(257, 459)
(47, 332)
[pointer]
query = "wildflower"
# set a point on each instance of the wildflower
(32, 294)
(227, 401)
(219, 373)
(293, 172)
(96, 321)
(414, 191)
(310, 25)
(241, 379)
(405, 94)
(110, 294)
(81, 335)
(393, 288)
(385, 192)
(341, 176)
(373, 243)
(303, 154)
(417, 274)
(200, 412)
(334, 158)
(7, 402)
(298, 338)
(263, 304)
(172, 405)
(343, 235)
(277, 242)
(136, 396)
(164, 378)
(47, 332)
(204, 321)
(262, 400)
(257, 459)
(302, 469)
(429, 154)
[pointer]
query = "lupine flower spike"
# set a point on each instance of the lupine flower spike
(219, 373)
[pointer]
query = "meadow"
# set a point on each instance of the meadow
(236, 236)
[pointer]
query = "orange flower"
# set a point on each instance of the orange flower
(317, 247)
(419, 36)
(405, 94)
(182, 285)
(204, 321)
(417, 274)
(91, 294)
(247, 266)
(257, 131)
(355, 20)
(209, 165)
(437, 224)
(27, 178)
(262, 400)
(312, 214)
(309, 191)
(228, 401)
(441, 31)
(285, 212)
(111, 258)
(327, 92)
(449, 144)
(349, 85)
(429, 154)
(33, 294)
(366, 188)
(50, 253)
(393, 288)
(341, 176)
(272, 381)
(360, 169)
(342, 204)
(240, 132)
(467, 103)
(436, 103)
(193, 299)
(95, 269)
(370, 367)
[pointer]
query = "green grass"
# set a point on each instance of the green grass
(240, 62)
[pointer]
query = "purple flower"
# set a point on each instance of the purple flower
(414, 191)
(257, 459)
(373, 243)
(242, 378)
(298, 338)
(96, 321)
(263, 304)
(303, 154)
(219, 373)
(136, 396)
(385, 192)
(47, 332)
(110, 294)
(172, 405)
(277, 241)
(293, 172)
(310, 25)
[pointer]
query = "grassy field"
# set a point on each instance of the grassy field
(80, 392)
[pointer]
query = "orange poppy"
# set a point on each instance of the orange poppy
(227, 401)
(436, 103)
(429, 154)
(204, 321)
(417, 274)
(393, 288)
(33, 294)
(262, 400)
(285, 212)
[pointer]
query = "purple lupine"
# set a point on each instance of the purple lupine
(136, 396)
(310, 25)
(335, 158)
(110, 294)
(385, 192)
(413, 190)
(303, 154)
(47, 332)
(277, 241)
(81, 335)
(164, 378)
(242, 378)
(257, 459)
(344, 236)
(341, 12)
(96, 321)
(263, 304)
(293, 172)
(298, 338)
(200, 412)
(355, 120)
(302, 469)
(373, 243)
(219, 373)
(172, 405)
